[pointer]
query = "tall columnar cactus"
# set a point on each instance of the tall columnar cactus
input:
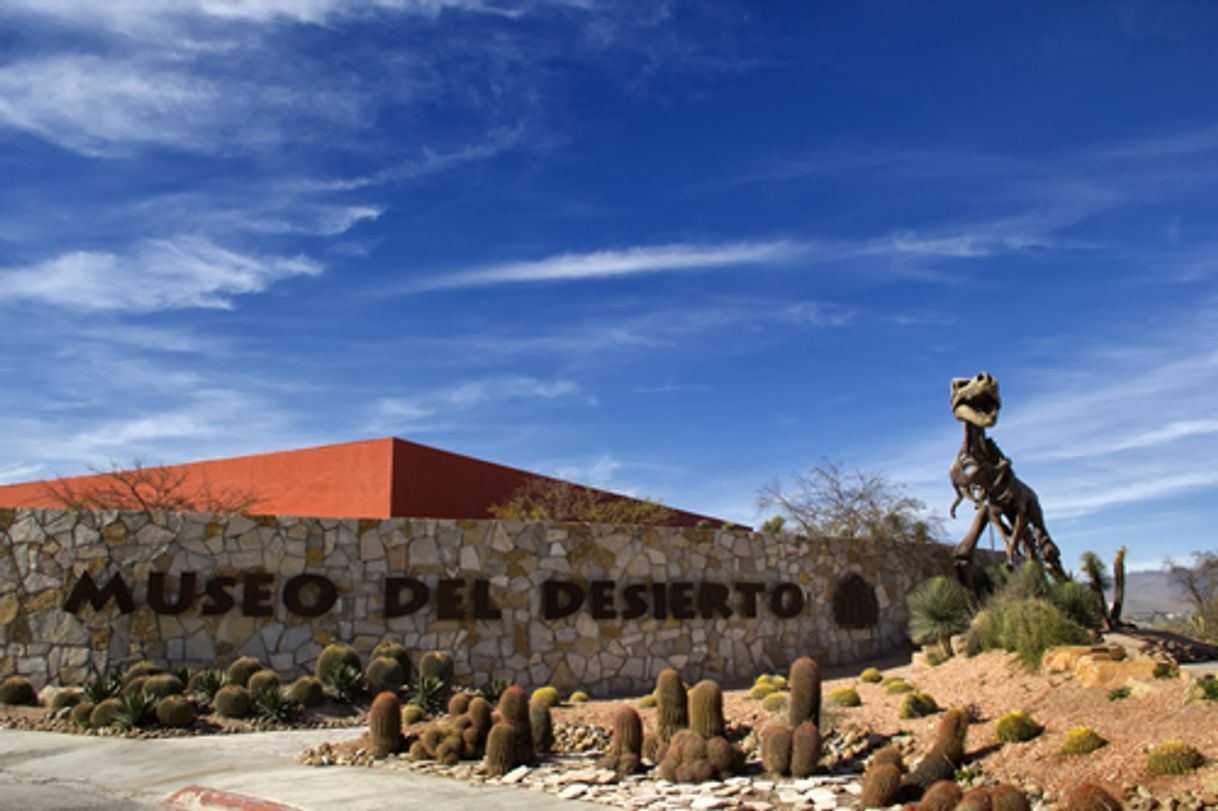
(706, 709)
(944, 795)
(672, 708)
(501, 754)
(385, 725)
(627, 731)
(881, 783)
(776, 750)
(480, 714)
(803, 684)
(514, 710)
(946, 755)
(541, 726)
(805, 749)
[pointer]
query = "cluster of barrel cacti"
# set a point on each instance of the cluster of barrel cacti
(794, 748)
(462, 735)
(689, 743)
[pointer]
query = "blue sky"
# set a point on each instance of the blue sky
(668, 248)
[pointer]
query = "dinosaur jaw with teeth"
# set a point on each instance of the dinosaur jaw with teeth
(975, 400)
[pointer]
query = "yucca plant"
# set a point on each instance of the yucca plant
(938, 608)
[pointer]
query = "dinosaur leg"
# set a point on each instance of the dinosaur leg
(1010, 537)
(964, 550)
(1046, 549)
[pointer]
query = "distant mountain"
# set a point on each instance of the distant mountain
(1148, 593)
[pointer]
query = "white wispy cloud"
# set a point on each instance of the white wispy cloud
(616, 263)
(417, 412)
(158, 274)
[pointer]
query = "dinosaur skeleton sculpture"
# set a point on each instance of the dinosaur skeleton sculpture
(983, 474)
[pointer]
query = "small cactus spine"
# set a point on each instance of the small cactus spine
(385, 725)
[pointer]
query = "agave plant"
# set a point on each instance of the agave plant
(429, 693)
(343, 683)
(206, 684)
(138, 710)
(102, 686)
(272, 704)
(938, 608)
(494, 688)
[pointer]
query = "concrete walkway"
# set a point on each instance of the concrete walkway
(40, 771)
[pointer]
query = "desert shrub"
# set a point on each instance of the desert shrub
(1079, 603)
(163, 684)
(240, 671)
(803, 686)
(68, 697)
(1118, 693)
(413, 714)
(80, 714)
(578, 697)
(1206, 689)
(429, 693)
(1016, 727)
(938, 608)
(547, 695)
(1081, 740)
(385, 675)
(18, 690)
(917, 705)
(306, 691)
(762, 689)
(774, 702)
(385, 723)
(871, 676)
(898, 686)
(174, 711)
(233, 701)
(106, 713)
(204, 684)
(843, 697)
(1090, 797)
(1029, 581)
(1174, 757)
(706, 709)
(334, 657)
(342, 682)
(1030, 627)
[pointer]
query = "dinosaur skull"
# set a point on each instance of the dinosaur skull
(975, 399)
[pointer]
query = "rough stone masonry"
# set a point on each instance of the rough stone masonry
(598, 607)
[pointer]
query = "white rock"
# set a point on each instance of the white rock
(515, 775)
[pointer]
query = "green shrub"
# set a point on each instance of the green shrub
(80, 714)
(1206, 689)
(307, 691)
(174, 711)
(1079, 603)
(843, 697)
(917, 705)
(163, 684)
(385, 675)
(68, 697)
(938, 608)
(106, 713)
(1118, 693)
(546, 695)
(233, 701)
(1081, 740)
(1030, 627)
(240, 671)
(18, 690)
(775, 702)
(413, 714)
(1029, 581)
(1165, 670)
(871, 676)
(1174, 757)
(578, 697)
(334, 657)
(1016, 726)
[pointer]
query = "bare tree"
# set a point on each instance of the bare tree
(554, 500)
(829, 501)
(1200, 583)
(149, 490)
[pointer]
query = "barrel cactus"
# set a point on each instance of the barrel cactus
(541, 727)
(385, 724)
(385, 674)
(706, 709)
(917, 705)
(393, 650)
(265, 679)
(138, 670)
(332, 658)
(501, 755)
(776, 750)
(1174, 757)
(163, 684)
(843, 697)
(803, 685)
(240, 671)
(175, 711)
(1089, 797)
(106, 713)
(437, 665)
(514, 710)
(672, 705)
(1081, 741)
(1016, 727)
(233, 701)
(549, 695)
(805, 749)
(80, 714)
(63, 699)
(626, 752)
(306, 691)
(881, 782)
(943, 795)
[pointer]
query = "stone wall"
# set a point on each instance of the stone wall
(45, 553)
